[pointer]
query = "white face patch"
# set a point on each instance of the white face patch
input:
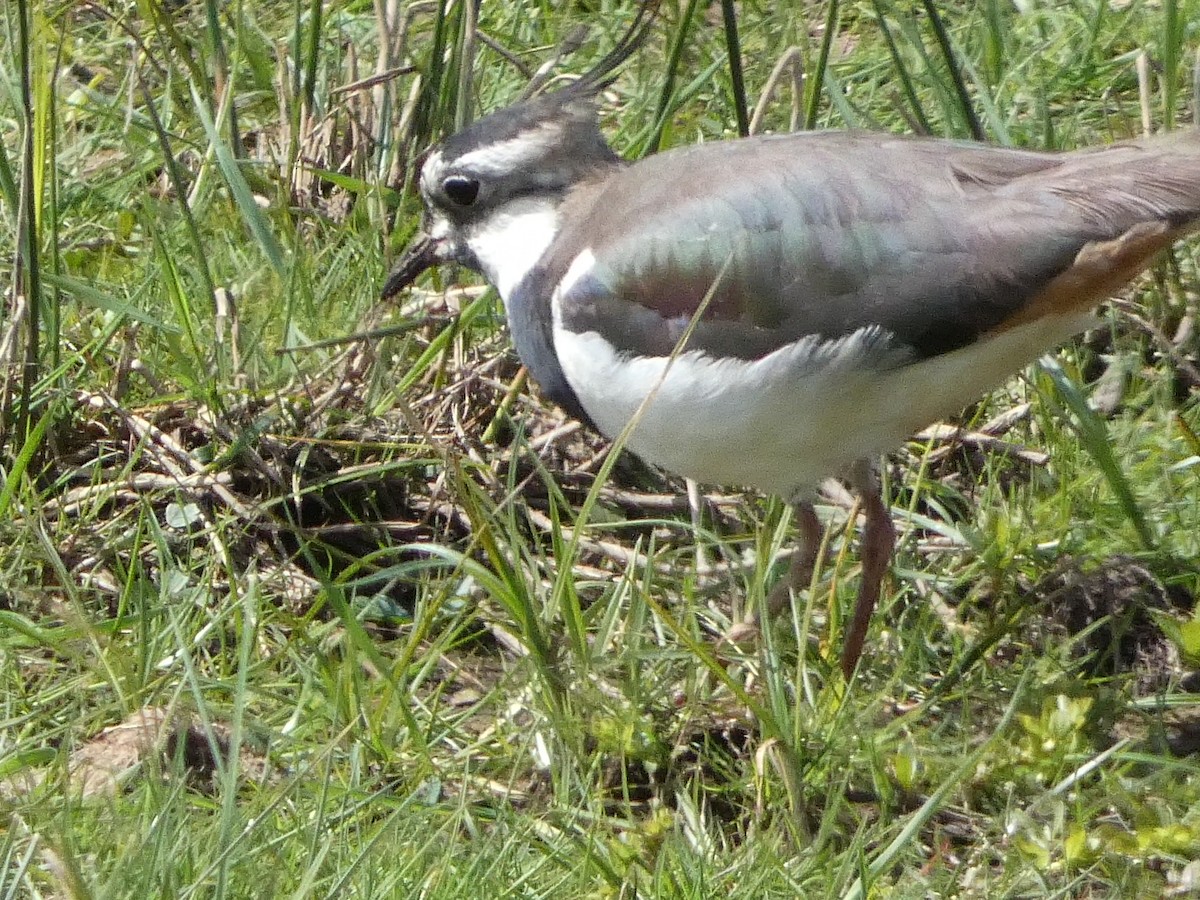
(509, 156)
(431, 172)
(438, 227)
(512, 240)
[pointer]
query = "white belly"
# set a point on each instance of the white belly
(782, 423)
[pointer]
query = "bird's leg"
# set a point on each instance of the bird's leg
(879, 540)
(804, 560)
(799, 576)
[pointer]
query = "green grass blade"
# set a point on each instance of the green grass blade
(1094, 434)
(666, 92)
(817, 76)
(901, 68)
(243, 197)
(734, 49)
(965, 106)
(887, 857)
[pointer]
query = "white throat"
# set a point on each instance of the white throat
(511, 241)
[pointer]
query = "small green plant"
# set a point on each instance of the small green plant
(1053, 737)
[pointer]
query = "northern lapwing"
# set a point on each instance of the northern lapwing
(780, 309)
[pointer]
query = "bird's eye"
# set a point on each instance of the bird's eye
(461, 190)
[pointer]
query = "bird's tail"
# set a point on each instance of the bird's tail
(1137, 198)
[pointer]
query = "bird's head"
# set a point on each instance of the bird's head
(492, 191)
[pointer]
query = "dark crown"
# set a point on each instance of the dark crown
(571, 113)
(540, 146)
(571, 109)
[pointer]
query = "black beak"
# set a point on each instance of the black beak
(422, 254)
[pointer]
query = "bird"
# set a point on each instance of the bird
(770, 311)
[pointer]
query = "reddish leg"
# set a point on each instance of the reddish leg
(799, 576)
(804, 560)
(878, 542)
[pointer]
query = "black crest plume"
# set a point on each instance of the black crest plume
(604, 72)
(574, 103)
